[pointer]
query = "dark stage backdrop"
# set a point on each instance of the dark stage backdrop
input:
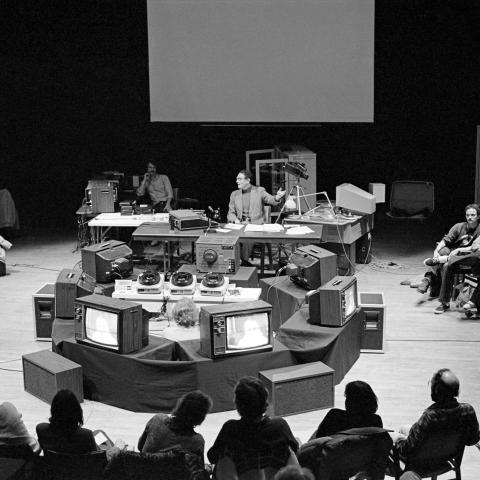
(75, 101)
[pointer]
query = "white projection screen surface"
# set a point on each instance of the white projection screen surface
(272, 61)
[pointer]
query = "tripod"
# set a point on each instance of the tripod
(299, 195)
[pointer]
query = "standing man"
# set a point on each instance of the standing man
(462, 239)
(158, 187)
(246, 206)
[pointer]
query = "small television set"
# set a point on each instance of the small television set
(311, 266)
(235, 329)
(334, 303)
(107, 261)
(110, 324)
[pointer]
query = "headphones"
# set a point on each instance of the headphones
(181, 279)
(149, 277)
(213, 280)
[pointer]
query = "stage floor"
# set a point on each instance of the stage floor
(418, 342)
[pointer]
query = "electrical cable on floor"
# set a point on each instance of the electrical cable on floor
(10, 370)
(34, 266)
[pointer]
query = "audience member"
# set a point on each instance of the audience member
(158, 187)
(446, 414)
(463, 238)
(164, 431)
(12, 429)
(292, 472)
(64, 433)
(360, 407)
(246, 205)
(256, 441)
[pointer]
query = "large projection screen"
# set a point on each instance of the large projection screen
(245, 61)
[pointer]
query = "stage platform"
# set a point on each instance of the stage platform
(153, 378)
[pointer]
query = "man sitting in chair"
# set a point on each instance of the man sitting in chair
(462, 239)
(246, 205)
(158, 187)
(446, 414)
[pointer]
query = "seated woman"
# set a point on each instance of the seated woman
(13, 432)
(64, 433)
(360, 407)
(256, 446)
(165, 431)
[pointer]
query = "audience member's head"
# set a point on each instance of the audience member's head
(293, 472)
(250, 397)
(360, 398)
(192, 408)
(444, 385)
(67, 414)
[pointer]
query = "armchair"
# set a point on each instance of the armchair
(347, 453)
(441, 452)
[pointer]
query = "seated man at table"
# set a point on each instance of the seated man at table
(158, 187)
(246, 206)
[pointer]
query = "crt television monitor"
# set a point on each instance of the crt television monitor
(110, 324)
(235, 328)
(334, 303)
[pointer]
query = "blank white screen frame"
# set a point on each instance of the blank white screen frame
(272, 61)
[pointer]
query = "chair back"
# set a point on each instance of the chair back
(173, 464)
(71, 466)
(343, 455)
(15, 461)
(440, 452)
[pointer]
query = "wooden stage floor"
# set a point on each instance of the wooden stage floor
(417, 341)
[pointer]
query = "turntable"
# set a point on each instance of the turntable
(183, 283)
(150, 281)
(214, 284)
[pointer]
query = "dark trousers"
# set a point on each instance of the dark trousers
(442, 277)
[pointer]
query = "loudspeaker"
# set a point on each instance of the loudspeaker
(299, 388)
(363, 249)
(68, 287)
(372, 318)
(45, 373)
(43, 312)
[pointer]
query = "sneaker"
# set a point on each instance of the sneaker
(442, 308)
(468, 306)
(430, 262)
(423, 287)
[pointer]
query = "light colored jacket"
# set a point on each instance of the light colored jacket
(258, 199)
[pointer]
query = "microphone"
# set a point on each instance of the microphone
(211, 209)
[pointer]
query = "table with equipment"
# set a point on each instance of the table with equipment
(104, 222)
(340, 234)
(163, 233)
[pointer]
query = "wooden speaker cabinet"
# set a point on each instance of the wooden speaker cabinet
(372, 317)
(45, 373)
(299, 388)
(43, 312)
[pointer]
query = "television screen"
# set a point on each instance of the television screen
(247, 331)
(350, 296)
(101, 327)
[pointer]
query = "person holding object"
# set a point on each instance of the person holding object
(158, 187)
(462, 239)
(246, 206)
